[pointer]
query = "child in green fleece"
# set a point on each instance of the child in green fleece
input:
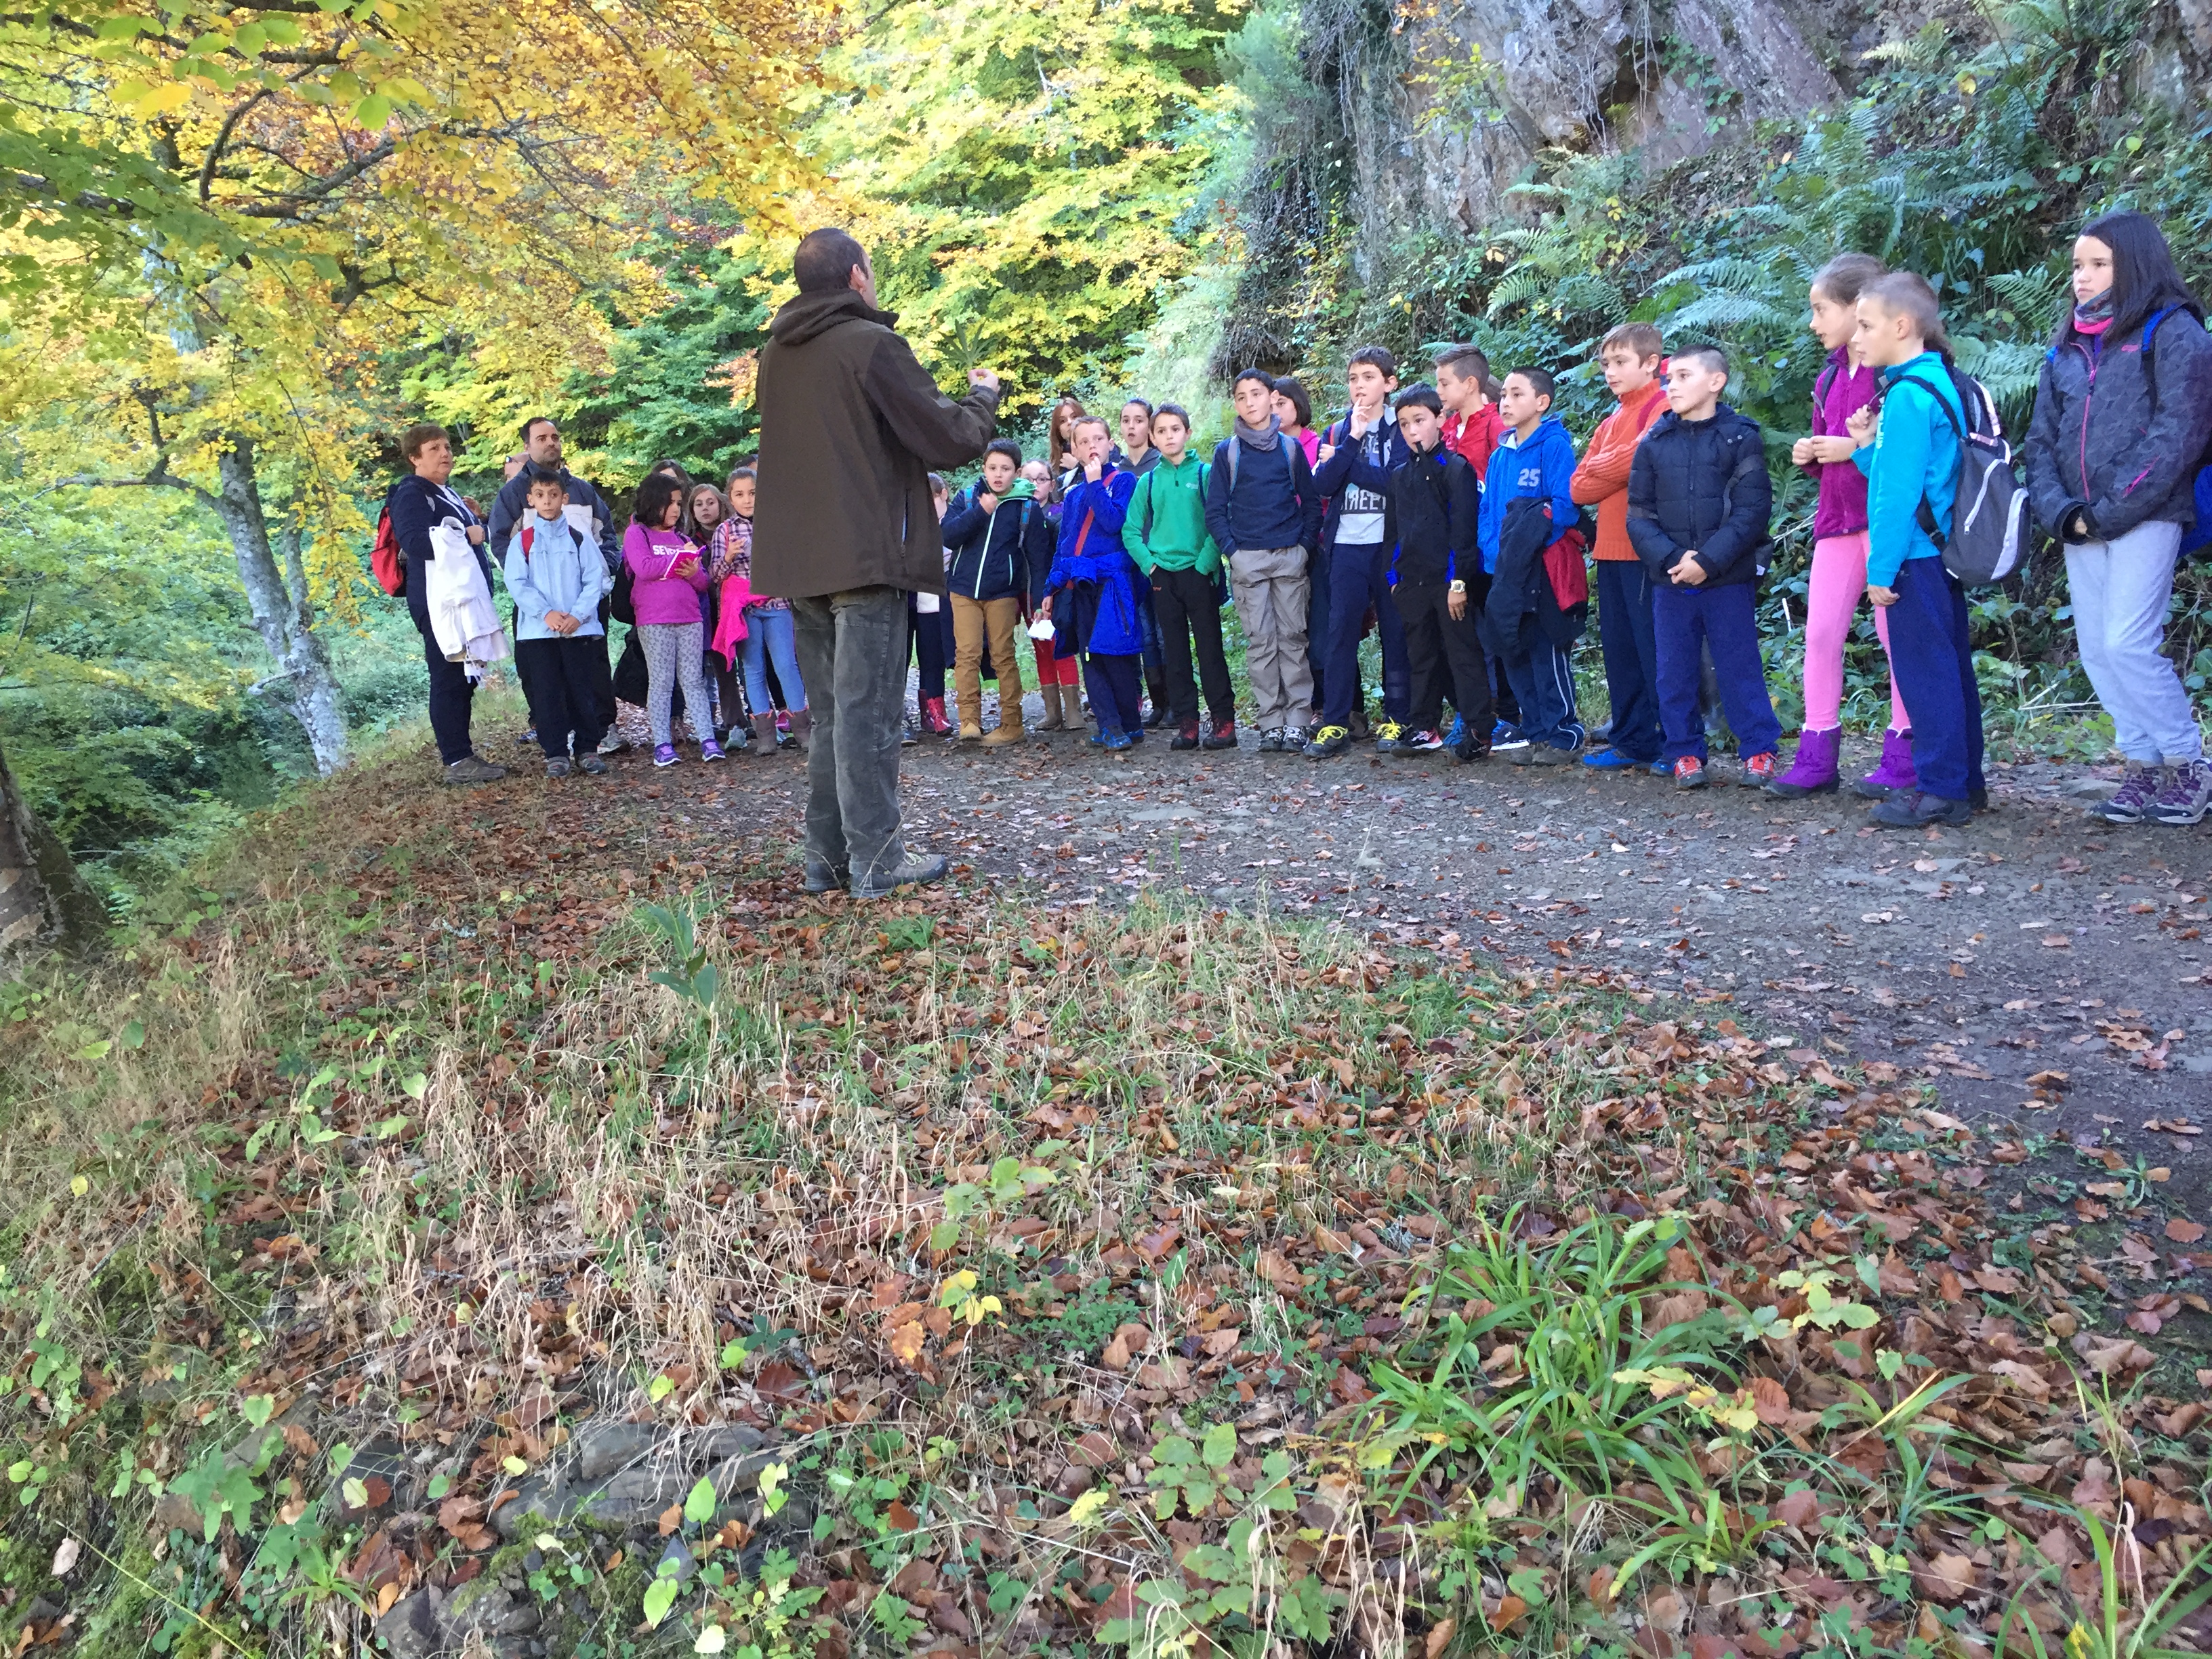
(1165, 533)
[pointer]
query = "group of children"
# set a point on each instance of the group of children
(1456, 520)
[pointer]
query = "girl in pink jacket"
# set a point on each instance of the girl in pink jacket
(667, 576)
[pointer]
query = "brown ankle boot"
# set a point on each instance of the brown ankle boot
(802, 729)
(1009, 729)
(764, 734)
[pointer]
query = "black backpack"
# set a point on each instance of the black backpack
(1989, 537)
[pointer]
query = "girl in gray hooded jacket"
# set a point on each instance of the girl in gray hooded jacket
(2122, 417)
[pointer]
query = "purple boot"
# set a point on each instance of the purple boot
(1814, 770)
(1895, 772)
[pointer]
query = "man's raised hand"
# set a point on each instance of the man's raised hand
(986, 378)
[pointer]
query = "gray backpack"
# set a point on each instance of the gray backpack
(1988, 538)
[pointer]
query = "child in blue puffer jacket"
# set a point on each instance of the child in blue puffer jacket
(557, 576)
(1094, 593)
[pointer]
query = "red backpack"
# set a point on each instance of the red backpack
(386, 559)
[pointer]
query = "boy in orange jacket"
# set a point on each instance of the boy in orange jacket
(1631, 354)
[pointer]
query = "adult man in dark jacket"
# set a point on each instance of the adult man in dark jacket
(1698, 502)
(845, 529)
(541, 451)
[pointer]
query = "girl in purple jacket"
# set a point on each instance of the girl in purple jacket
(1838, 576)
(667, 576)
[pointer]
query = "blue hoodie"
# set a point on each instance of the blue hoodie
(1543, 465)
(1102, 615)
(1914, 456)
(560, 570)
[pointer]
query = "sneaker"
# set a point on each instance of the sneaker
(474, 768)
(1272, 741)
(1909, 809)
(664, 754)
(1098, 738)
(526, 737)
(1423, 742)
(1546, 754)
(591, 766)
(1358, 726)
(1223, 736)
(1757, 771)
(2131, 803)
(827, 878)
(1329, 740)
(1186, 736)
(556, 766)
(1470, 749)
(908, 736)
(1121, 740)
(912, 871)
(1506, 735)
(1457, 735)
(1660, 768)
(614, 743)
(1389, 736)
(710, 751)
(1689, 772)
(1610, 760)
(2187, 796)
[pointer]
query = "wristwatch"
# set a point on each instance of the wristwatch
(1458, 587)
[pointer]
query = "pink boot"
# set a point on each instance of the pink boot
(1895, 774)
(1814, 770)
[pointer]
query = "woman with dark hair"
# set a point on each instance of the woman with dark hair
(1294, 408)
(418, 502)
(2121, 420)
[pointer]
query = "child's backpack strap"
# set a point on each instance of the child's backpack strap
(529, 535)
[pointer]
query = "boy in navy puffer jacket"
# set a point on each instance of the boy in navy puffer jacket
(995, 540)
(1698, 500)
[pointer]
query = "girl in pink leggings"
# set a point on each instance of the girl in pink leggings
(1839, 550)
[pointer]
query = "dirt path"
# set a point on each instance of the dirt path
(2043, 971)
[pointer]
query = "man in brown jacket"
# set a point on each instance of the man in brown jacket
(845, 529)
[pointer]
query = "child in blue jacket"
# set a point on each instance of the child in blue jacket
(992, 540)
(557, 577)
(1094, 594)
(1912, 458)
(1536, 459)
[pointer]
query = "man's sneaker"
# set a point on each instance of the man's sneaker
(474, 768)
(1223, 736)
(1424, 741)
(1506, 735)
(912, 871)
(664, 754)
(827, 878)
(1757, 771)
(1689, 772)
(1389, 736)
(556, 766)
(1610, 760)
(591, 766)
(2187, 796)
(614, 743)
(1909, 809)
(525, 738)
(1117, 741)
(710, 751)
(1329, 740)
(1186, 736)
(2130, 804)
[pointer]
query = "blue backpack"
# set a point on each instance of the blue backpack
(2196, 540)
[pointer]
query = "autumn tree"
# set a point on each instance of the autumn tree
(214, 216)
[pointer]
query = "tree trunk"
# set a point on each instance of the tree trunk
(43, 901)
(280, 610)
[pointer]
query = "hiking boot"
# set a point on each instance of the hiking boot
(664, 754)
(556, 766)
(1895, 771)
(912, 871)
(1223, 736)
(474, 768)
(2130, 803)
(1329, 741)
(591, 766)
(826, 878)
(1186, 736)
(971, 732)
(1757, 771)
(1389, 736)
(1423, 742)
(1909, 809)
(1689, 772)
(1813, 770)
(711, 750)
(2187, 795)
